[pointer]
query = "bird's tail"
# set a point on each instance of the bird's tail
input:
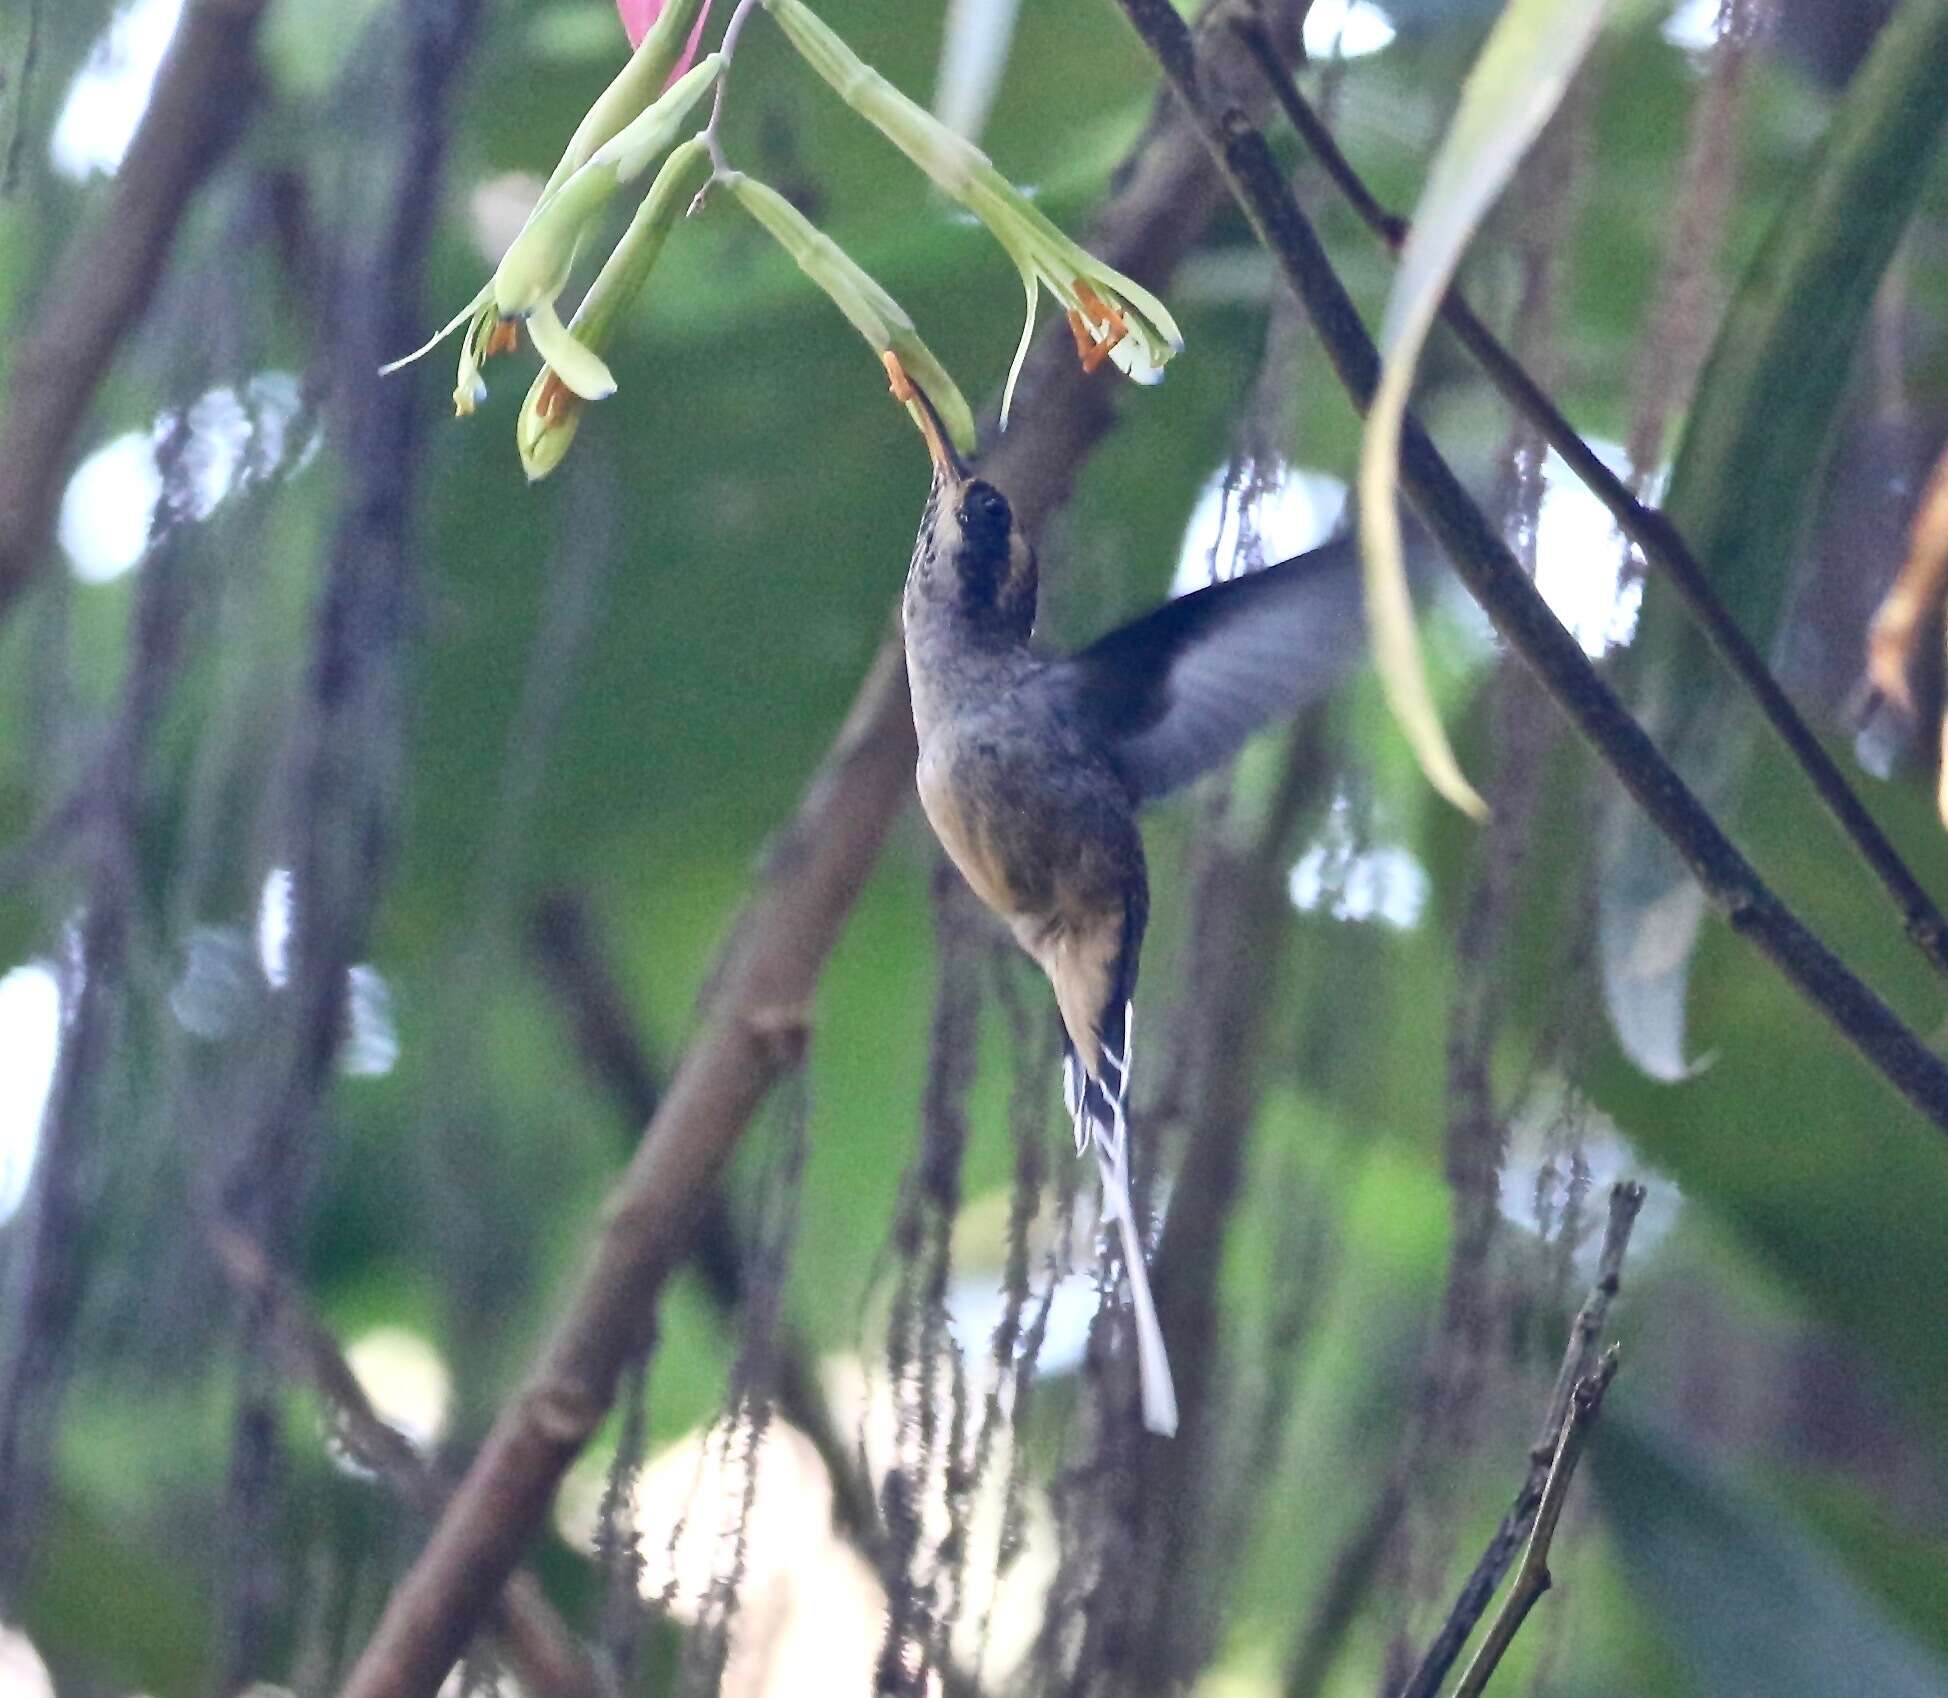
(1099, 1105)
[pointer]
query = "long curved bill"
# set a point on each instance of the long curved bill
(948, 466)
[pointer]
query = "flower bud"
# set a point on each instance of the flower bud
(1113, 317)
(552, 411)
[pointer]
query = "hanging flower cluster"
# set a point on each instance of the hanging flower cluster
(639, 122)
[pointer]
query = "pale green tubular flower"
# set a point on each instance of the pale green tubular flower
(553, 409)
(1113, 317)
(535, 268)
(636, 85)
(870, 310)
(485, 337)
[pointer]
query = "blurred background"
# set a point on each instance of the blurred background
(371, 823)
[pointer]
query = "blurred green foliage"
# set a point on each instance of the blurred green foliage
(744, 507)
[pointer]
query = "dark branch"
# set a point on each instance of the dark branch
(1516, 608)
(203, 94)
(340, 782)
(1663, 545)
(48, 1271)
(1244, 914)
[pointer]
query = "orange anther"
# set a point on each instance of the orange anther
(1099, 310)
(504, 338)
(555, 398)
(1099, 315)
(1099, 351)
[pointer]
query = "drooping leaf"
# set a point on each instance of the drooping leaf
(974, 48)
(1524, 67)
(1741, 491)
(1910, 613)
(1757, 1606)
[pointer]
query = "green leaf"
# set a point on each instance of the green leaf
(1745, 1595)
(1524, 67)
(973, 54)
(1742, 488)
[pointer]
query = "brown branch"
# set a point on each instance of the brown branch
(1578, 1364)
(544, 1653)
(1532, 1578)
(755, 1024)
(1523, 735)
(560, 940)
(756, 1028)
(1524, 620)
(202, 96)
(1651, 530)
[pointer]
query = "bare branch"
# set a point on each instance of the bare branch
(561, 941)
(1662, 543)
(538, 1643)
(1532, 1579)
(202, 96)
(1578, 1364)
(1525, 621)
(341, 778)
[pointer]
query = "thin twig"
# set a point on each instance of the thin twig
(546, 1655)
(1650, 529)
(1525, 621)
(1578, 1363)
(1532, 1578)
(202, 96)
(719, 165)
(1168, 191)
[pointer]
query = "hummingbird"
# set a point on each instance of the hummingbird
(1032, 768)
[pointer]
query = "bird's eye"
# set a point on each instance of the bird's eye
(987, 507)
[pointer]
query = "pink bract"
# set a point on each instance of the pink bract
(638, 15)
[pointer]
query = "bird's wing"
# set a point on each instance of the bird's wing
(1174, 693)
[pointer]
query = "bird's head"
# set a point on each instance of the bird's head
(972, 563)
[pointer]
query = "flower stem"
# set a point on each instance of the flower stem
(718, 164)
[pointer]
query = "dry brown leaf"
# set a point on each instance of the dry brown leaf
(1914, 598)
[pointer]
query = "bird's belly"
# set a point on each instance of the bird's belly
(957, 824)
